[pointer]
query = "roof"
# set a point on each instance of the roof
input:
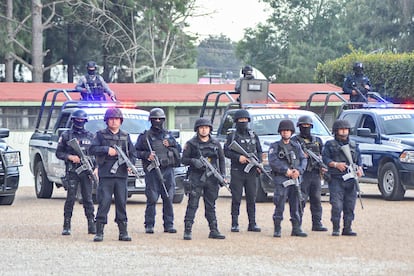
(179, 94)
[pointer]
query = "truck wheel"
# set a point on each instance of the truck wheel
(389, 183)
(43, 186)
(178, 198)
(7, 200)
(261, 195)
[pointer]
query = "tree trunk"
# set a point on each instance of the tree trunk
(9, 60)
(37, 41)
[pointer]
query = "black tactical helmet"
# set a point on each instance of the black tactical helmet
(113, 113)
(91, 65)
(340, 124)
(156, 113)
(358, 67)
(304, 120)
(80, 114)
(202, 122)
(286, 125)
(241, 113)
(247, 70)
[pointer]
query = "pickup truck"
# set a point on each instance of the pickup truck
(266, 113)
(10, 161)
(55, 117)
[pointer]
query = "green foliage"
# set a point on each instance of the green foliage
(390, 74)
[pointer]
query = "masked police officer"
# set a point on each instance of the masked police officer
(240, 179)
(311, 180)
(343, 193)
(92, 86)
(247, 72)
(203, 145)
(73, 161)
(357, 85)
(113, 176)
(288, 163)
(158, 142)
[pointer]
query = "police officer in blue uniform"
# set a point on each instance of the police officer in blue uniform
(72, 161)
(92, 86)
(112, 178)
(288, 163)
(247, 72)
(166, 148)
(343, 193)
(240, 179)
(357, 84)
(311, 180)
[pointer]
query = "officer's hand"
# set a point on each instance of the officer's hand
(151, 157)
(360, 172)
(74, 159)
(354, 92)
(367, 87)
(243, 159)
(95, 172)
(341, 166)
(113, 98)
(166, 143)
(295, 174)
(112, 151)
(197, 163)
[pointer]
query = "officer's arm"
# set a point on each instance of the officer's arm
(106, 87)
(347, 87)
(96, 147)
(141, 147)
(222, 162)
(187, 153)
(61, 152)
(80, 86)
(228, 152)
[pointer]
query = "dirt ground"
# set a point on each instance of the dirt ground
(32, 244)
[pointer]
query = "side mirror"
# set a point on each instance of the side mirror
(365, 132)
(4, 132)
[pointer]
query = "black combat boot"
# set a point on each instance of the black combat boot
(187, 230)
(123, 232)
(278, 229)
(149, 229)
(347, 231)
(99, 232)
(235, 224)
(297, 230)
(317, 226)
(253, 227)
(91, 226)
(214, 232)
(335, 229)
(66, 227)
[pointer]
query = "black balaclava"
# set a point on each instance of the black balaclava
(305, 131)
(242, 126)
(79, 125)
(157, 124)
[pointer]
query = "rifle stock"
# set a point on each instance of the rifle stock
(155, 165)
(352, 171)
(86, 163)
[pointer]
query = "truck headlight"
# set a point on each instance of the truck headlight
(407, 157)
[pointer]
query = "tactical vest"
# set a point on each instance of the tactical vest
(120, 139)
(338, 154)
(84, 139)
(165, 156)
(288, 153)
(313, 145)
(246, 141)
(95, 84)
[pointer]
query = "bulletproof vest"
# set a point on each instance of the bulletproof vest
(289, 153)
(94, 83)
(165, 156)
(338, 154)
(84, 139)
(313, 145)
(247, 141)
(209, 150)
(120, 139)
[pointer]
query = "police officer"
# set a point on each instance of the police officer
(159, 142)
(247, 72)
(72, 161)
(92, 86)
(202, 144)
(112, 178)
(343, 193)
(288, 163)
(311, 180)
(240, 179)
(357, 84)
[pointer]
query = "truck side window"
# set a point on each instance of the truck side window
(352, 118)
(369, 123)
(228, 123)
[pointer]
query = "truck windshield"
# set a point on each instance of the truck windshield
(130, 125)
(398, 123)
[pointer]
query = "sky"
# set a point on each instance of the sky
(229, 17)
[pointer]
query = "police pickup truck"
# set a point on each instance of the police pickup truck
(266, 113)
(55, 117)
(10, 161)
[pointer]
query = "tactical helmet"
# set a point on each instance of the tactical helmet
(79, 114)
(358, 67)
(247, 70)
(241, 113)
(156, 113)
(113, 113)
(286, 125)
(304, 120)
(91, 67)
(202, 122)
(340, 124)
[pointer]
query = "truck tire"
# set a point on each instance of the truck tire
(389, 183)
(178, 198)
(7, 200)
(43, 187)
(261, 195)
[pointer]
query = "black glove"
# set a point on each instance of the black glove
(197, 163)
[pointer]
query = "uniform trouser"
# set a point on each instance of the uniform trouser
(107, 187)
(248, 181)
(311, 188)
(279, 199)
(343, 197)
(153, 190)
(86, 191)
(209, 190)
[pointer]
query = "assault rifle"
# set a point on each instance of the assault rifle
(355, 86)
(352, 171)
(211, 170)
(155, 165)
(86, 162)
(291, 156)
(251, 157)
(318, 161)
(123, 159)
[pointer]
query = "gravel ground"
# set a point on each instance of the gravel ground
(31, 243)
